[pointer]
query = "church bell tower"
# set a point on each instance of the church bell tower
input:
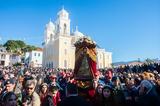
(63, 23)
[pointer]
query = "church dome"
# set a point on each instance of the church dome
(50, 25)
(77, 33)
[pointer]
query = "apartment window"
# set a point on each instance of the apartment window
(10, 57)
(34, 54)
(38, 54)
(3, 56)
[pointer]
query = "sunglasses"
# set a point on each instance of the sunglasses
(30, 88)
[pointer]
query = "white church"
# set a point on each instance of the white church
(58, 48)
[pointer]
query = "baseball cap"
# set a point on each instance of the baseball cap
(10, 81)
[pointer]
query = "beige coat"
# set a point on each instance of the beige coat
(36, 99)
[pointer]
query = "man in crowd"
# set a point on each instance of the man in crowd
(107, 77)
(8, 87)
(30, 97)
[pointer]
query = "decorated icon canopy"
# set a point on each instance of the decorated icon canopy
(85, 60)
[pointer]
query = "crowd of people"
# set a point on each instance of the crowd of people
(137, 85)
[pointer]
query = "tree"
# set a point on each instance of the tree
(18, 46)
(29, 48)
(21, 43)
(17, 64)
(11, 45)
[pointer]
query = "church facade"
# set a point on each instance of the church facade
(59, 49)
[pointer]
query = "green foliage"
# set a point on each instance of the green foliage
(18, 46)
(29, 48)
(17, 64)
(20, 43)
(13, 45)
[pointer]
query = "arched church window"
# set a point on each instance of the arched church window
(51, 36)
(65, 51)
(100, 65)
(65, 28)
(65, 63)
(58, 28)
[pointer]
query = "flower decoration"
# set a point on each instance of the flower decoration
(85, 41)
(84, 84)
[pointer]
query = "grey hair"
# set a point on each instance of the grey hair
(30, 82)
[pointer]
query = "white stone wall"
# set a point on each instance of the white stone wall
(14, 58)
(34, 58)
(8, 58)
(104, 59)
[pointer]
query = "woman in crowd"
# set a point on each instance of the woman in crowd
(53, 97)
(108, 96)
(43, 91)
(97, 101)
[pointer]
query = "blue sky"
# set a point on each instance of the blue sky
(130, 29)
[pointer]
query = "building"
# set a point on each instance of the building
(104, 59)
(8, 59)
(34, 58)
(59, 50)
(15, 58)
(4, 57)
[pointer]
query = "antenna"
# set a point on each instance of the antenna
(76, 28)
